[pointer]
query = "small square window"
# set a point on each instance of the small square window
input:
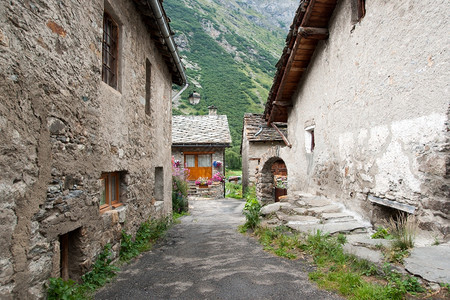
(110, 53)
(110, 190)
(309, 139)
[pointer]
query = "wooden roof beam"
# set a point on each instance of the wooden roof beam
(313, 33)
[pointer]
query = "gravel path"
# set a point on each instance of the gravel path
(205, 257)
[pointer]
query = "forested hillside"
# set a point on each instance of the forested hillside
(230, 49)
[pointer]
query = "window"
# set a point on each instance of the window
(358, 10)
(110, 197)
(159, 184)
(110, 51)
(190, 161)
(204, 160)
(148, 85)
(309, 139)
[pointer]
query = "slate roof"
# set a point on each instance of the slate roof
(196, 130)
(252, 123)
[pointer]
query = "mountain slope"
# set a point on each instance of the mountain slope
(230, 49)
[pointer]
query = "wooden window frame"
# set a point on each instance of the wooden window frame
(110, 51)
(109, 203)
(358, 10)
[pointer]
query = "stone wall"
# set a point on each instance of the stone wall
(217, 155)
(377, 94)
(251, 151)
(62, 127)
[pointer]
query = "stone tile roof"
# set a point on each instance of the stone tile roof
(252, 123)
(200, 130)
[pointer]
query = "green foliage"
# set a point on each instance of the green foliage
(338, 271)
(147, 233)
(180, 187)
(176, 216)
(404, 231)
(233, 190)
(102, 270)
(179, 194)
(382, 233)
(251, 211)
(233, 83)
(233, 159)
(279, 241)
(59, 289)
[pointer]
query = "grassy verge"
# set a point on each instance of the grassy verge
(233, 190)
(336, 270)
(103, 269)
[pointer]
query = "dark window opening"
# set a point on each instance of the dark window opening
(71, 255)
(313, 144)
(110, 51)
(159, 184)
(148, 86)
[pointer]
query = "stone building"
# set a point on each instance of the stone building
(257, 138)
(364, 86)
(199, 143)
(85, 133)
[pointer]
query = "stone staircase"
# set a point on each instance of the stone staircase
(309, 213)
(192, 190)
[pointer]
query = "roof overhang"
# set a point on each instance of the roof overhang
(212, 145)
(310, 26)
(155, 17)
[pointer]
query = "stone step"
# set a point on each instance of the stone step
(331, 208)
(329, 227)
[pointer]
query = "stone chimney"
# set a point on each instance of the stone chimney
(212, 110)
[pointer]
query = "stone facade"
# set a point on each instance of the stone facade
(62, 127)
(376, 96)
(257, 138)
(217, 154)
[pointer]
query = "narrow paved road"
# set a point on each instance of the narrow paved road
(205, 257)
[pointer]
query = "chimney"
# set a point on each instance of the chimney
(212, 110)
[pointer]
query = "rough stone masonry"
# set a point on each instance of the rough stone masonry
(62, 128)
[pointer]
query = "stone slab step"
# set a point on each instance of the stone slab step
(334, 216)
(431, 263)
(316, 201)
(364, 253)
(329, 227)
(274, 207)
(364, 240)
(302, 220)
(331, 208)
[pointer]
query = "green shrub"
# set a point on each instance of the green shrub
(382, 233)
(233, 190)
(251, 211)
(60, 289)
(102, 270)
(147, 233)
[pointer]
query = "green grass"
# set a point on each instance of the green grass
(233, 190)
(336, 270)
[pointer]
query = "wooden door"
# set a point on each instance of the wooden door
(199, 165)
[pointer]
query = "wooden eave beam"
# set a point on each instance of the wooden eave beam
(285, 140)
(313, 33)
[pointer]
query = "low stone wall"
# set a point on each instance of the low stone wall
(214, 191)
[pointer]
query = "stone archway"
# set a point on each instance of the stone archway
(270, 166)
